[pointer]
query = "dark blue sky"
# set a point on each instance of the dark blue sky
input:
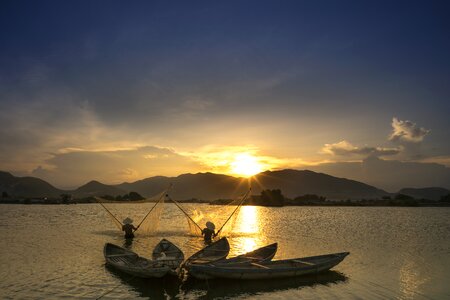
(175, 74)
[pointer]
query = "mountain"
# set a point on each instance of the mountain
(27, 186)
(429, 193)
(205, 186)
(293, 183)
(95, 188)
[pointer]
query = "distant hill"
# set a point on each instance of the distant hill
(204, 186)
(296, 183)
(429, 193)
(26, 186)
(95, 188)
(209, 186)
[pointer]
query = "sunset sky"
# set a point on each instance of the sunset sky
(123, 90)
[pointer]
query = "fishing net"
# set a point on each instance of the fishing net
(150, 223)
(222, 216)
(145, 213)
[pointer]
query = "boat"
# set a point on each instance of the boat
(131, 263)
(268, 269)
(262, 254)
(211, 253)
(169, 254)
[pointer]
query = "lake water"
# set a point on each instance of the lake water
(55, 251)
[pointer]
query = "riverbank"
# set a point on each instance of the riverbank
(287, 202)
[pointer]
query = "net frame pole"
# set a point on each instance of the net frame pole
(164, 194)
(107, 210)
(240, 204)
(175, 202)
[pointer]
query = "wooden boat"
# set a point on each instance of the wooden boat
(129, 262)
(170, 255)
(265, 253)
(269, 269)
(211, 253)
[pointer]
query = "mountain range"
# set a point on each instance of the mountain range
(210, 186)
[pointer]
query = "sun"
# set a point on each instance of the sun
(246, 165)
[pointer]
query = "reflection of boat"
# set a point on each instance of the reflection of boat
(169, 254)
(156, 288)
(269, 269)
(229, 288)
(265, 253)
(211, 253)
(169, 257)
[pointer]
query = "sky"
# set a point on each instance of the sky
(119, 91)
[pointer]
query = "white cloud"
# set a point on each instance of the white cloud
(407, 131)
(344, 148)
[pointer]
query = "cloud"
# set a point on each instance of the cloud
(407, 131)
(193, 103)
(73, 168)
(344, 148)
(391, 175)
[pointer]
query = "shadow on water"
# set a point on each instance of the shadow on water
(219, 288)
(171, 287)
(154, 288)
(111, 233)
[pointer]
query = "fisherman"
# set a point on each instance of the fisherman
(129, 228)
(208, 232)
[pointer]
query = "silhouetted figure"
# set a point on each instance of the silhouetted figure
(129, 228)
(208, 232)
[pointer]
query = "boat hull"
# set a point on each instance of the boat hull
(131, 263)
(168, 254)
(267, 270)
(211, 253)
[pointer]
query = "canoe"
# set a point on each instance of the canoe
(129, 262)
(211, 253)
(265, 253)
(269, 269)
(168, 254)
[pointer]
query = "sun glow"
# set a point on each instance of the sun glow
(245, 165)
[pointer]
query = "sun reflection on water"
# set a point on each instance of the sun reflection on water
(246, 230)
(410, 280)
(248, 221)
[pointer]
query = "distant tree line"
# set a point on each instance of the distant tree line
(445, 198)
(267, 198)
(131, 196)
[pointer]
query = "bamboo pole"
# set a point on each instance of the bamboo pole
(107, 210)
(175, 202)
(164, 194)
(242, 201)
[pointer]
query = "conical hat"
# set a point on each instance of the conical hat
(210, 225)
(127, 221)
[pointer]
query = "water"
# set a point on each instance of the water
(56, 252)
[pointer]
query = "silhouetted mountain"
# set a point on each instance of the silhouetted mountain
(430, 193)
(296, 183)
(147, 187)
(26, 186)
(95, 188)
(204, 186)
(209, 186)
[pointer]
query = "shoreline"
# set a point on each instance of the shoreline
(328, 204)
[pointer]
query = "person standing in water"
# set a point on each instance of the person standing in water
(129, 228)
(208, 232)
